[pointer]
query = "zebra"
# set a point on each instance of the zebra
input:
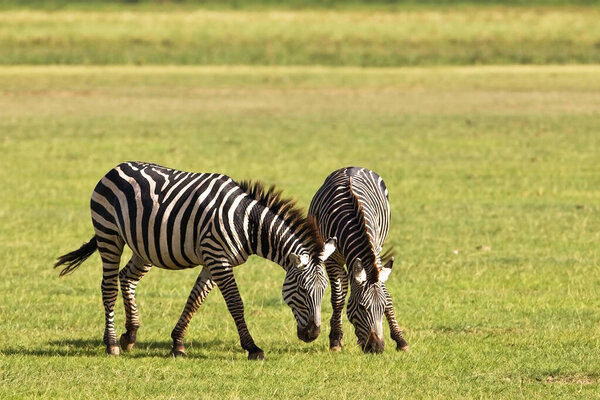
(353, 205)
(176, 220)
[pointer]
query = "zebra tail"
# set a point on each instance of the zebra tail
(75, 258)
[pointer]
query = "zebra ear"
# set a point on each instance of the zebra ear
(358, 272)
(390, 263)
(299, 261)
(330, 246)
(386, 270)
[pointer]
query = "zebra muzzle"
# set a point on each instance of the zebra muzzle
(309, 332)
(374, 344)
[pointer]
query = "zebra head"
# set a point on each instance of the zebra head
(303, 288)
(366, 305)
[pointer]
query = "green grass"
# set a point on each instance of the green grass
(494, 186)
(352, 37)
(274, 4)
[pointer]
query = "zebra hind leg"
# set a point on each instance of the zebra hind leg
(201, 289)
(129, 277)
(110, 252)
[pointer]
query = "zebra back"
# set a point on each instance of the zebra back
(353, 205)
(176, 219)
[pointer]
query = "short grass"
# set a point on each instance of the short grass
(389, 5)
(494, 186)
(352, 36)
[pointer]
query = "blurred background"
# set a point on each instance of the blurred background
(300, 32)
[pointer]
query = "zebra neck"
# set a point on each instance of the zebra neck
(274, 239)
(362, 250)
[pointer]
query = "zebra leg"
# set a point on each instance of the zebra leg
(129, 277)
(339, 287)
(395, 331)
(201, 289)
(222, 274)
(110, 252)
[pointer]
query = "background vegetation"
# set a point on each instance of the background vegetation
(270, 4)
(492, 172)
(181, 34)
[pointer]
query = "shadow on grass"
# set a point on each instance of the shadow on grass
(143, 349)
(219, 349)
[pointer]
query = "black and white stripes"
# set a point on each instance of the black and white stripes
(175, 220)
(353, 205)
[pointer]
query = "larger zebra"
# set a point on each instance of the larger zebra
(174, 220)
(353, 205)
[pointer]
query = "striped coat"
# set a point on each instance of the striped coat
(353, 205)
(175, 220)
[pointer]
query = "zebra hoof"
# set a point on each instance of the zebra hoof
(259, 355)
(175, 353)
(335, 344)
(401, 345)
(112, 350)
(125, 343)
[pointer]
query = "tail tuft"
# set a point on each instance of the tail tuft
(75, 258)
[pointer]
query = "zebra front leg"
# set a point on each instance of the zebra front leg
(222, 274)
(395, 331)
(129, 277)
(339, 287)
(201, 289)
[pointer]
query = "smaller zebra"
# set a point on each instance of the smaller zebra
(176, 220)
(353, 205)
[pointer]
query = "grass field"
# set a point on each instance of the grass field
(494, 186)
(180, 34)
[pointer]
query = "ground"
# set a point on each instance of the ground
(494, 187)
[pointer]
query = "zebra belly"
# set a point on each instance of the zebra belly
(166, 249)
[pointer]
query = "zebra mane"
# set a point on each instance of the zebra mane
(370, 261)
(287, 209)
